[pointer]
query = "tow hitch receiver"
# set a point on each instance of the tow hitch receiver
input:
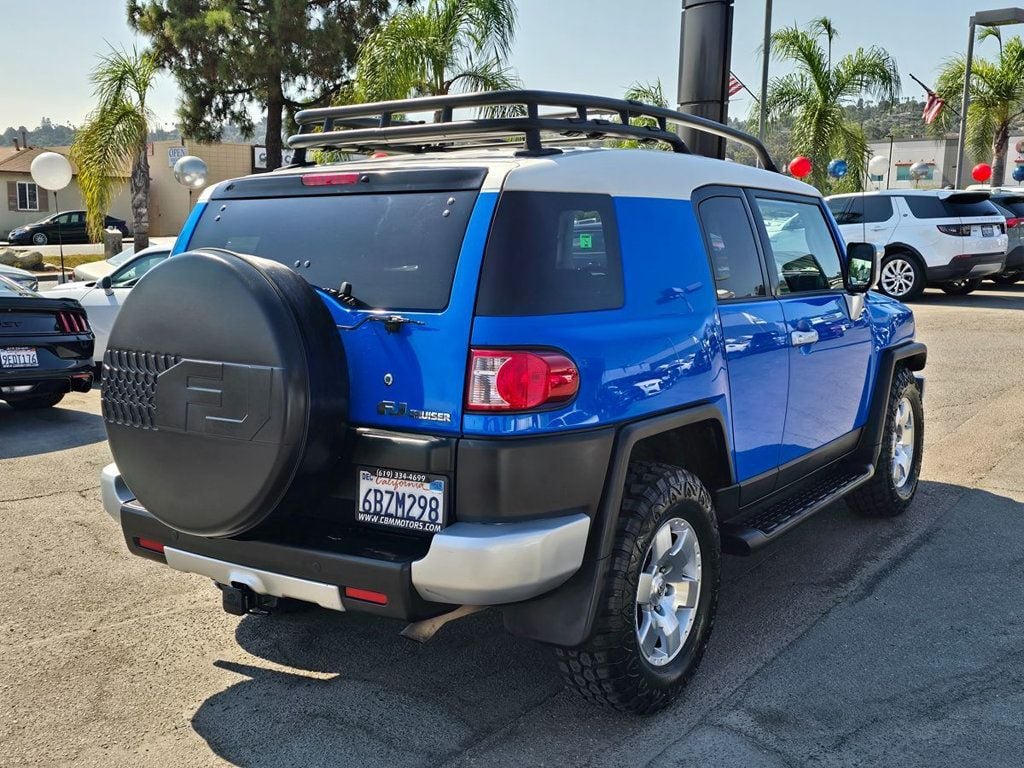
(241, 600)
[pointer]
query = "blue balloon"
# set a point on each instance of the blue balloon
(1018, 173)
(837, 168)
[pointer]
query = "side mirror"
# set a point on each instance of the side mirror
(863, 265)
(106, 282)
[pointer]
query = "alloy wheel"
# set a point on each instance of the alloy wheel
(898, 277)
(902, 454)
(668, 591)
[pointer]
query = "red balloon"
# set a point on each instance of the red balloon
(800, 166)
(982, 172)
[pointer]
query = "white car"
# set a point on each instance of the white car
(94, 270)
(947, 238)
(102, 299)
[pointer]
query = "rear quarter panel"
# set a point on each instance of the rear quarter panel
(660, 351)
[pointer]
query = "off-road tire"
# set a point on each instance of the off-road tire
(35, 402)
(609, 668)
(880, 497)
(962, 287)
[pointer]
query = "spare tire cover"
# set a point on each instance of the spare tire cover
(224, 391)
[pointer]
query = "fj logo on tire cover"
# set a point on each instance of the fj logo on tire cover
(219, 400)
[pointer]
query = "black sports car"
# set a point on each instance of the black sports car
(68, 227)
(45, 348)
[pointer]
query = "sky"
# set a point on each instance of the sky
(590, 46)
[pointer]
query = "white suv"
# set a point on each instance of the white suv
(941, 237)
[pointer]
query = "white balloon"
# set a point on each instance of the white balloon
(51, 170)
(190, 171)
(878, 165)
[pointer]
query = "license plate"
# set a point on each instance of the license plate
(396, 499)
(18, 357)
(986, 230)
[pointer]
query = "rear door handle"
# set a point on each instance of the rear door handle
(799, 338)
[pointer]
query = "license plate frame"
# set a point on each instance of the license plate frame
(987, 230)
(13, 358)
(389, 498)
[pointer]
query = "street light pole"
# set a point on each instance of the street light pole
(966, 101)
(762, 129)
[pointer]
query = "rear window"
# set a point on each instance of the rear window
(398, 251)
(1014, 205)
(550, 253)
(929, 207)
(11, 288)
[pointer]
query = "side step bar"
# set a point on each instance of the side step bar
(753, 530)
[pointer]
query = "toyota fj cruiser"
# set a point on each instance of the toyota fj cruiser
(557, 380)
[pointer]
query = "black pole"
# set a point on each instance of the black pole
(60, 236)
(762, 127)
(705, 47)
(888, 171)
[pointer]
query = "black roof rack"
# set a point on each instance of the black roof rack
(381, 125)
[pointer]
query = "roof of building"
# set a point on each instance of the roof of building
(20, 161)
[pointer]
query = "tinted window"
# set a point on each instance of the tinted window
(11, 288)
(803, 250)
(397, 250)
(551, 252)
(1013, 204)
(931, 207)
(861, 210)
(129, 275)
(732, 248)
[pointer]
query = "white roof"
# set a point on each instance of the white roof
(940, 193)
(618, 172)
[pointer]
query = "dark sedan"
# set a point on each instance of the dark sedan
(1012, 207)
(45, 348)
(68, 227)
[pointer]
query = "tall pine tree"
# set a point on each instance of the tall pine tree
(231, 55)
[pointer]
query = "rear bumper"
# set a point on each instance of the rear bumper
(1015, 260)
(970, 266)
(468, 563)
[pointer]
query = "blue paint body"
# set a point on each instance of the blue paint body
(670, 346)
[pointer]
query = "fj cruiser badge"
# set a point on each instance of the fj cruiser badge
(391, 408)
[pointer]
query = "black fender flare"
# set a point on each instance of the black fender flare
(565, 616)
(914, 356)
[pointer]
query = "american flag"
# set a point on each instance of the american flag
(735, 86)
(933, 106)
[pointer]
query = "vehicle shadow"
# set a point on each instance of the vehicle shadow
(989, 296)
(30, 433)
(346, 689)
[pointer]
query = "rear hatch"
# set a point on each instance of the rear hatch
(395, 255)
(987, 225)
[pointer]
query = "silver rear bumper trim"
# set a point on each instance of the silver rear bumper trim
(113, 491)
(259, 581)
(494, 563)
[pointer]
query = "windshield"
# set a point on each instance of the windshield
(398, 251)
(10, 288)
(120, 258)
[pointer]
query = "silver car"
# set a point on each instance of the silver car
(22, 277)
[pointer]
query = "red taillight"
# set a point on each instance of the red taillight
(1014, 221)
(379, 598)
(151, 544)
(518, 380)
(329, 179)
(957, 230)
(72, 322)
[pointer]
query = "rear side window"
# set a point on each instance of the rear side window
(861, 210)
(398, 251)
(1015, 206)
(929, 207)
(732, 248)
(550, 253)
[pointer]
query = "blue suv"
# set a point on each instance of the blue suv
(459, 371)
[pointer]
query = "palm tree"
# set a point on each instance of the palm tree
(997, 99)
(114, 136)
(436, 47)
(817, 90)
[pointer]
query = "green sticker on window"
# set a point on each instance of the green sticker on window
(586, 241)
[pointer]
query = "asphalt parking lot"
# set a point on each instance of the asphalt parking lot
(851, 642)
